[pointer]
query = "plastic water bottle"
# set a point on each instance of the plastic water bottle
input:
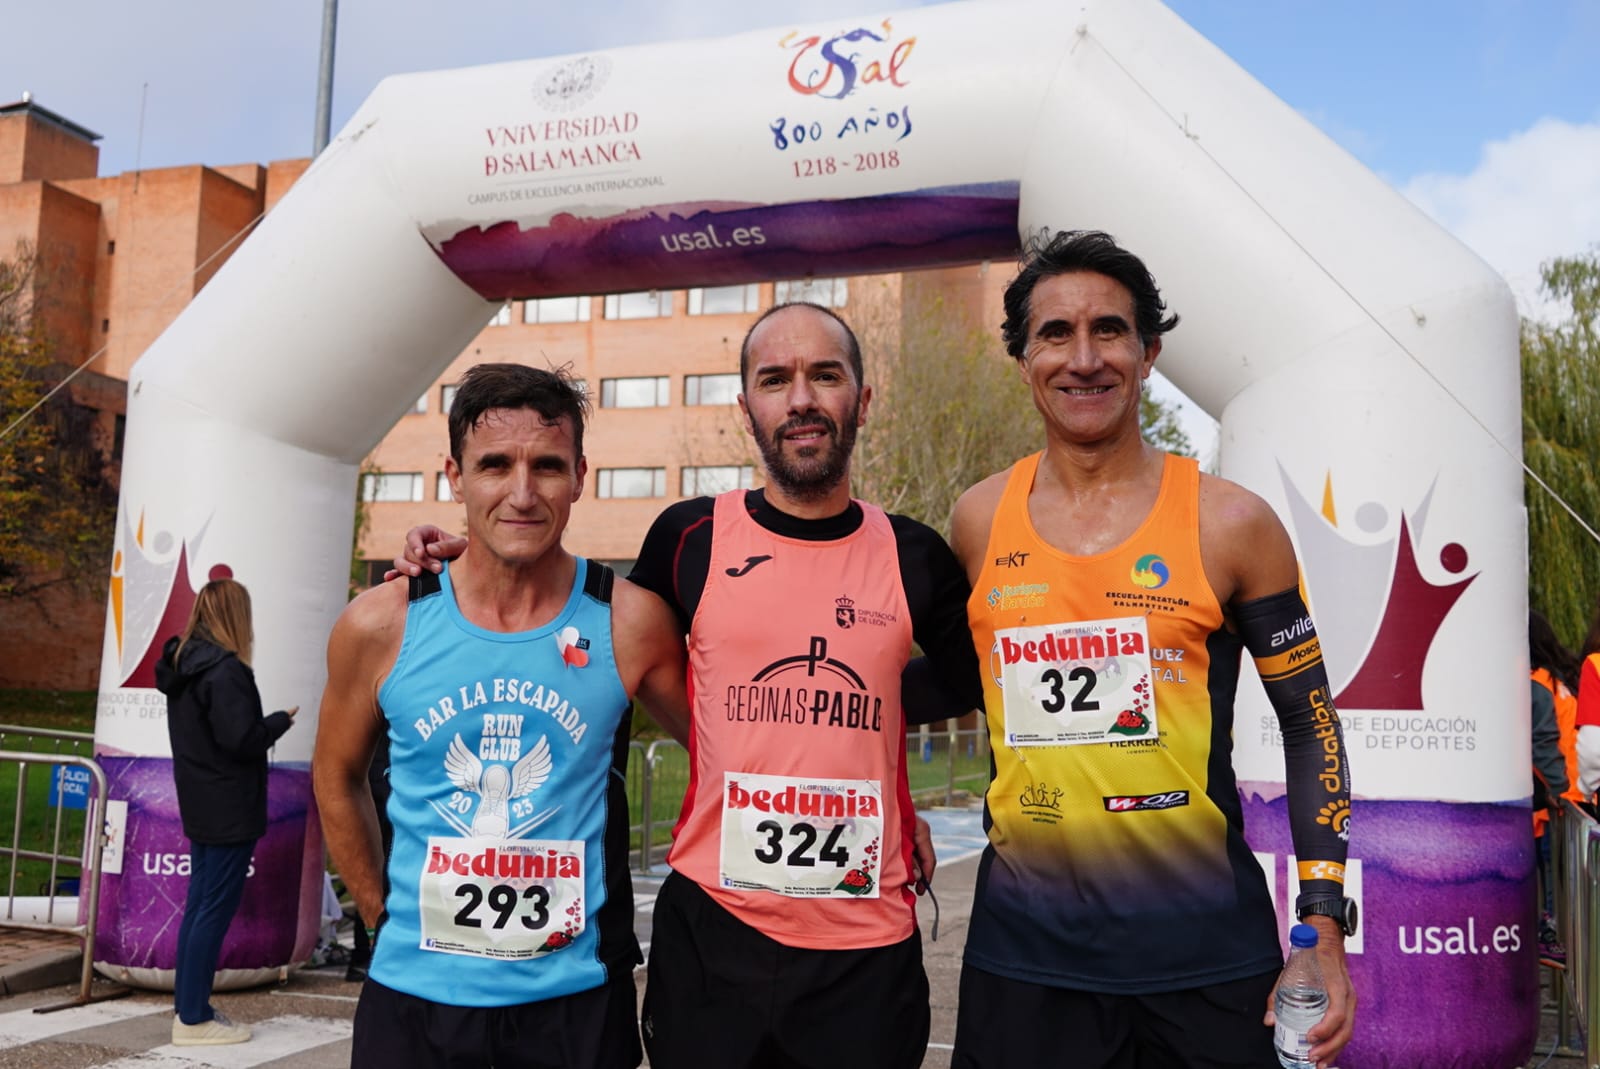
(1301, 1001)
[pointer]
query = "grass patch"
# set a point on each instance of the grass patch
(60, 710)
(43, 828)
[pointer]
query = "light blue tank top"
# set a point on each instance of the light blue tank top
(507, 881)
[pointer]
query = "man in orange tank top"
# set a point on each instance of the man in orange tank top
(1118, 906)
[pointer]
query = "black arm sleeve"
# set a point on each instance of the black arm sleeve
(1278, 632)
(944, 682)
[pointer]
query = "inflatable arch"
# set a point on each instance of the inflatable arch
(1363, 365)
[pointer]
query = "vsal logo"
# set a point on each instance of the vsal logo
(1055, 649)
(834, 67)
(572, 84)
(506, 865)
(1133, 803)
(796, 802)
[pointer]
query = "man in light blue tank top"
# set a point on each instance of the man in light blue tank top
(503, 912)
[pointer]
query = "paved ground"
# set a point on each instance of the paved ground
(304, 1022)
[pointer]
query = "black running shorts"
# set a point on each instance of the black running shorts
(1003, 1023)
(594, 1029)
(721, 995)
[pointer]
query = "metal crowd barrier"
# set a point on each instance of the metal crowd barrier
(942, 763)
(64, 755)
(1575, 861)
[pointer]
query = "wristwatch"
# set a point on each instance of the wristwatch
(1342, 910)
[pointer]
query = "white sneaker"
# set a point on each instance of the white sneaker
(215, 1032)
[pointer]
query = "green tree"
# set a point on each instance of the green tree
(951, 410)
(58, 498)
(1162, 426)
(1560, 444)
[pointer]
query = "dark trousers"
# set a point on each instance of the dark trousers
(216, 883)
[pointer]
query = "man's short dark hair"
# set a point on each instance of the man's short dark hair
(1046, 255)
(553, 393)
(852, 346)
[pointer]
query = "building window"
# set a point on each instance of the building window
(392, 486)
(724, 300)
(651, 304)
(634, 393)
(441, 487)
(556, 310)
(632, 482)
(828, 292)
(711, 389)
(375, 570)
(713, 480)
(502, 317)
(447, 397)
(421, 405)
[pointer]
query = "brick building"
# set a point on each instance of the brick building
(661, 368)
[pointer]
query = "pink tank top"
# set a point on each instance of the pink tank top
(798, 818)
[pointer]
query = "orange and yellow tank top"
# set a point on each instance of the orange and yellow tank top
(798, 817)
(1116, 858)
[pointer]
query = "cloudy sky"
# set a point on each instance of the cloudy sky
(1486, 113)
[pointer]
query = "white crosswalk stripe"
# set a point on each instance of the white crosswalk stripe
(24, 1026)
(274, 1038)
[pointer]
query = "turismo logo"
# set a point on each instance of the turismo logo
(1134, 803)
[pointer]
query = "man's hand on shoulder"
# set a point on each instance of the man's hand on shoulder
(426, 546)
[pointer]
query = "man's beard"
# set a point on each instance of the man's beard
(810, 478)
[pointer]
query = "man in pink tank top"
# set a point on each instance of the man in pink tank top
(786, 934)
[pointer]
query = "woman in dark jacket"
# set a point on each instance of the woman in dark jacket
(219, 760)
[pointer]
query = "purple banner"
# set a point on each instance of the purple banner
(141, 908)
(668, 246)
(1448, 974)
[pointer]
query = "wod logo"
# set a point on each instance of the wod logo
(1134, 803)
(844, 612)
